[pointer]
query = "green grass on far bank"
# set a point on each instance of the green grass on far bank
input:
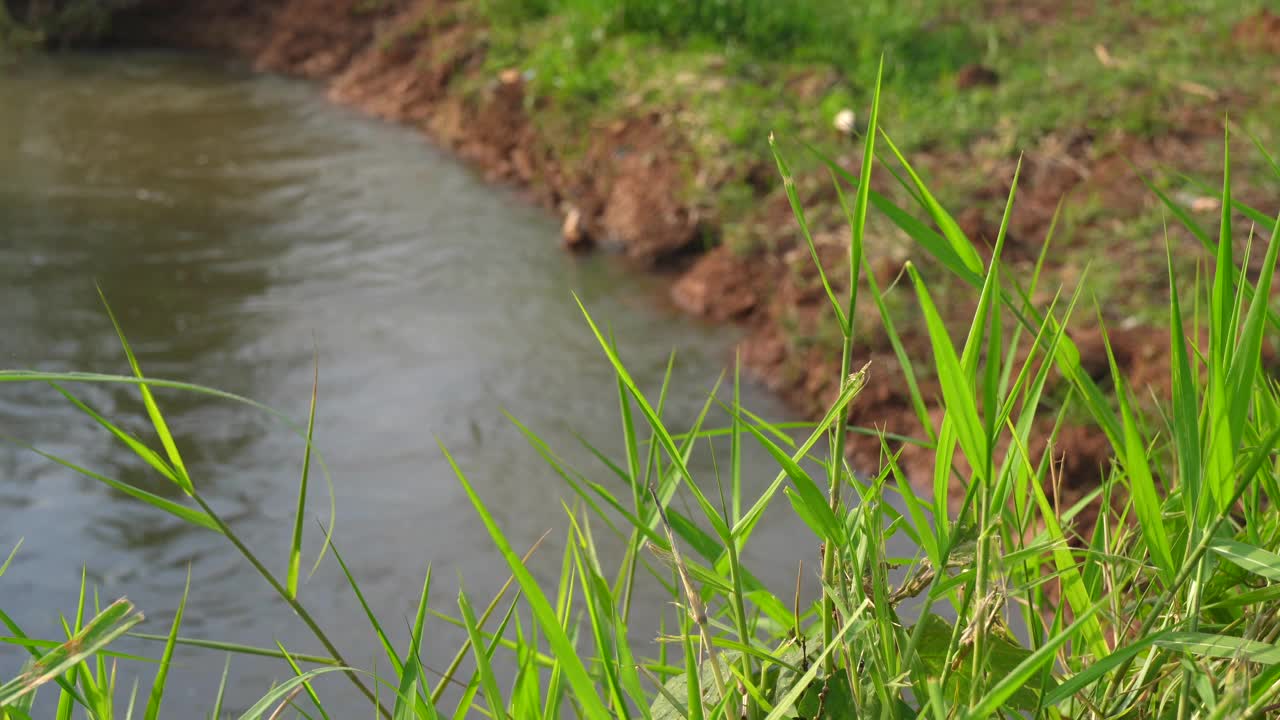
(1058, 65)
(1082, 87)
(1165, 608)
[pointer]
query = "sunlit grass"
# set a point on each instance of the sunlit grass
(1166, 607)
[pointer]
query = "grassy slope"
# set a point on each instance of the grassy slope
(1124, 77)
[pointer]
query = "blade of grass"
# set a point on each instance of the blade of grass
(295, 547)
(284, 689)
(488, 682)
(797, 208)
(411, 677)
(1253, 559)
(152, 711)
(1185, 416)
(12, 554)
(153, 410)
(311, 693)
(957, 391)
(1146, 501)
(181, 512)
(104, 629)
(1221, 646)
(222, 690)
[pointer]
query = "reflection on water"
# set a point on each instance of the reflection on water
(241, 229)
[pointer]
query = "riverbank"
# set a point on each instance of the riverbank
(657, 150)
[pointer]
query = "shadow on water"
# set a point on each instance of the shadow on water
(242, 228)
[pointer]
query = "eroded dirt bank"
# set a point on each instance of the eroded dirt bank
(423, 62)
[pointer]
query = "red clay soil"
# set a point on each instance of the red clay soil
(398, 59)
(1260, 32)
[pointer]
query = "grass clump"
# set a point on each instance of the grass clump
(1165, 607)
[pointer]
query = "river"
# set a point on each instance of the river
(241, 228)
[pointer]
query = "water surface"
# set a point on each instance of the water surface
(243, 229)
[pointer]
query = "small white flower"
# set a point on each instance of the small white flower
(845, 121)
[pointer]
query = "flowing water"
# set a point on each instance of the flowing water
(242, 228)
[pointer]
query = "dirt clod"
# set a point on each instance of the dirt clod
(975, 75)
(572, 235)
(1260, 32)
(719, 286)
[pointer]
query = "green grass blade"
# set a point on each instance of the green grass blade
(295, 547)
(162, 674)
(222, 690)
(282, 691)
(447, 676)
(900, 353)
(744, 527)
(598, 603)
(1222, 305)
(34, 645)
(12, 554)
(1073, 587)
(1146, 500)
(676, 456)
(960, 244)
(1185, 426)
(1221, 646)
(797, 208)
(957, 390)
(786, 703)
(151, 457)
(858, 218)
(498, 638)
(735, 447)
(153, 410)
(104, 629)
(195, 517)
(488, 682)
(306, 686)
(1246, 360)
(411, 677)
(79, 672)
(937, 245)
(233, 648)
(810, 494)
(1253, 559)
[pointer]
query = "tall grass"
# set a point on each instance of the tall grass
(1166, 607)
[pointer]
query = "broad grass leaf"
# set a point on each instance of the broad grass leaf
(1254, 559)
(1002, 657)
(104, 629)
(1012, 681)
(957, 390)
(816, 506)
(1226, 647)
